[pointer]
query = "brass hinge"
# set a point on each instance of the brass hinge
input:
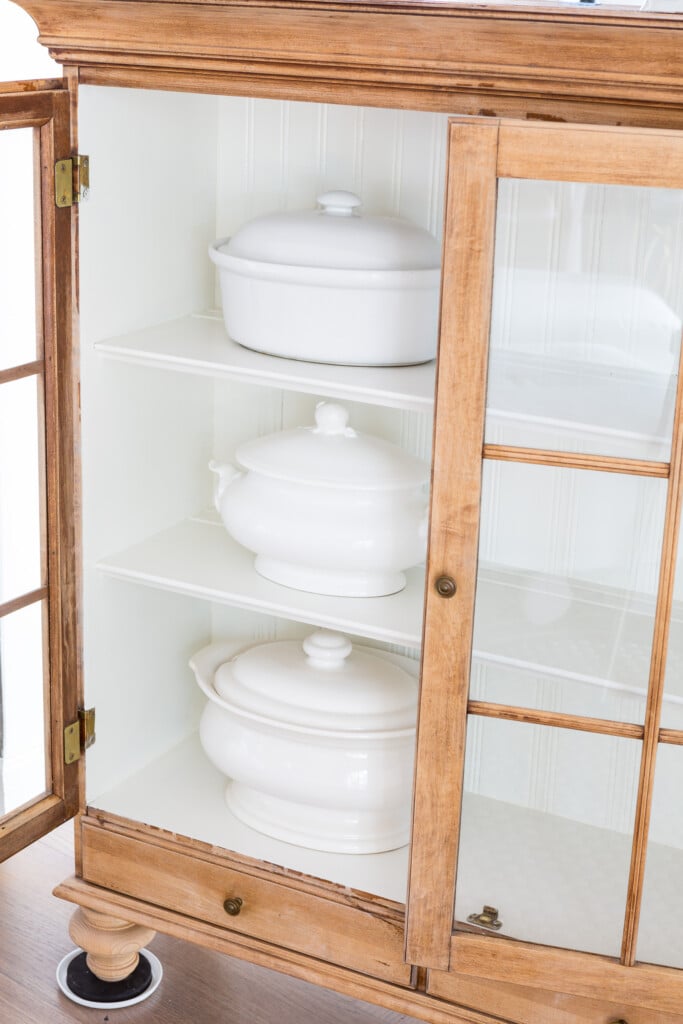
(72, 180)
(79, 735)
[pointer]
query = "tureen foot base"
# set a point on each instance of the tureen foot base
(330, 582)
(319, 828)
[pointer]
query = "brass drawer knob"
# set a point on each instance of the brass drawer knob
(445, 586)
(232, 906)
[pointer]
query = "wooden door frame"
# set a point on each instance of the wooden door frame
(44, 106)
(482, 150)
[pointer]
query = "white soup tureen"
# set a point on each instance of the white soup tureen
(327, 509)
(316, 739)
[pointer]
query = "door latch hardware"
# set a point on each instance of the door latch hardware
(79, 735)
(72, 180)
(487, 919)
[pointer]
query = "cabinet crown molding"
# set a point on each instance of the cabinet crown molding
(565, 64)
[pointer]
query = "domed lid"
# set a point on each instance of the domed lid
(332, 454)
(323, 684)
(336, 236)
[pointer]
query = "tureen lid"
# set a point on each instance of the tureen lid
(323, 683)
(333, 454)
(335, 236)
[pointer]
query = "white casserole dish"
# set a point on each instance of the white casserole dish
(316, 739)
(326, 509)
(332, 286)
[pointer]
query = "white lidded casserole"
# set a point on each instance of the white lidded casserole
(316, 739)
(332, 285)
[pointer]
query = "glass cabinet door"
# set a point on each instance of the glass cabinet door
(551, 570)
(38, 528)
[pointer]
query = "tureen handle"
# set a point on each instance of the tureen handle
(339, 203)
(227, 473)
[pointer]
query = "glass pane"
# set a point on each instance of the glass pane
(586, 318)
(568, 570)
(546, 836)
(23, 758)
(20, 489)
(660, 936)
(17, 253)
(672, 706)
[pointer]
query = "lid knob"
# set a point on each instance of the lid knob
(324, 649)
(331, 418)
(339, 203)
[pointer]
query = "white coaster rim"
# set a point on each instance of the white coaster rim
(157, 974)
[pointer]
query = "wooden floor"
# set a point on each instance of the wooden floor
(199, 987)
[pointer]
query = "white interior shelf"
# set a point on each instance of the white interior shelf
(183, 793)
(199, 558)
(594, 407)
(591, 408)
(199, 344)
(581, 868)
(561, 882)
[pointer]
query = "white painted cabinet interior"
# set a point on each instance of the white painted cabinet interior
(164, 391)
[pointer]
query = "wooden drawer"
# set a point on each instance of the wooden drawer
(521, 1005)
(327, 923)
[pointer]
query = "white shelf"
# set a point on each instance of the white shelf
(555, 880)
(589, 645)
(183, 793)
(199, 558)
(602, 409)
(199, 344)
(590, 408)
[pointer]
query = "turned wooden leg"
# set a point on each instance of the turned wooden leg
(112, 945)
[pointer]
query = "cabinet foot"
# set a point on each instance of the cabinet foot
(111, 970)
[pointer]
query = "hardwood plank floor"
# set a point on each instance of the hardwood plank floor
(199, 986)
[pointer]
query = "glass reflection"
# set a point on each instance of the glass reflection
(568, 572)
(20, 489)
(660, 936)
(546, 836)
(17, 252)
(23, 761)
(587, 316)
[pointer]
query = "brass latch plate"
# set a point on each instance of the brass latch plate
(487, 919)
(72, 180)
(79, 735)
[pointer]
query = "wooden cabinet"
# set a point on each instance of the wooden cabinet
(555, 641)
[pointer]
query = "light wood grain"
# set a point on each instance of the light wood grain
(454, 535)
(653, 712)
(554, 719)
(555, 64)
(576, 460)
(199, 986)
(48, 112)
(583, 975)
(354, 934)
(603, 155)
(7, 607)
(534, 1006)
(19, 372)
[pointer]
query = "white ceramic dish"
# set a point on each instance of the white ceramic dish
(332, 286)
(317, 740)
(326, 509)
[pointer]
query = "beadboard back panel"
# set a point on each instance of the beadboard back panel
(212, 164)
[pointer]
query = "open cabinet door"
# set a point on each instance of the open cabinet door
(39, 525)
(549, 743)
